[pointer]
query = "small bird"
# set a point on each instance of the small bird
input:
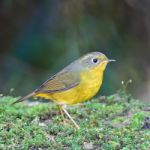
(76, 83)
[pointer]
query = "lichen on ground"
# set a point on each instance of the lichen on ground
(107, 123)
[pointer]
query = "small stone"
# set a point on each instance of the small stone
(88, 146)
(33, 104)
(42, 124)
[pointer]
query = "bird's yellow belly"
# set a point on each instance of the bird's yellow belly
(84, 91)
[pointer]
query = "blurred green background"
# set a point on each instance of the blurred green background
(38, 38)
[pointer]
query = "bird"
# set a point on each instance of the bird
(76, 83)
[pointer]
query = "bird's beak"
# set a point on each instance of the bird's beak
(108, 60)
(111, 60)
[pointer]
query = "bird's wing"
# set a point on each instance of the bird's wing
(64, 80)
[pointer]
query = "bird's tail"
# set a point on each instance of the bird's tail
(24, 98)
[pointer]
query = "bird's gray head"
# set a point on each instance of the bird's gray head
(95, 59)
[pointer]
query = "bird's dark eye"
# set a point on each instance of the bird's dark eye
(95, 60)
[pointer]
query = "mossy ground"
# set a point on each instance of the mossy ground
(107, 123)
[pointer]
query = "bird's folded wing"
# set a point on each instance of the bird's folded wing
(62, 81)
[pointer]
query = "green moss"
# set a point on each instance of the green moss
(112, 123)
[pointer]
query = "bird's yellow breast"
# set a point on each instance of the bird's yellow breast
(89, 85)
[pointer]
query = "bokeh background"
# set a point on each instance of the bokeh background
(38, 38)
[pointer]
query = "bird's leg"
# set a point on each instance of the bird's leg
(61, 112)
(65, 111)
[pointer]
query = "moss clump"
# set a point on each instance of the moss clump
(110, 123)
